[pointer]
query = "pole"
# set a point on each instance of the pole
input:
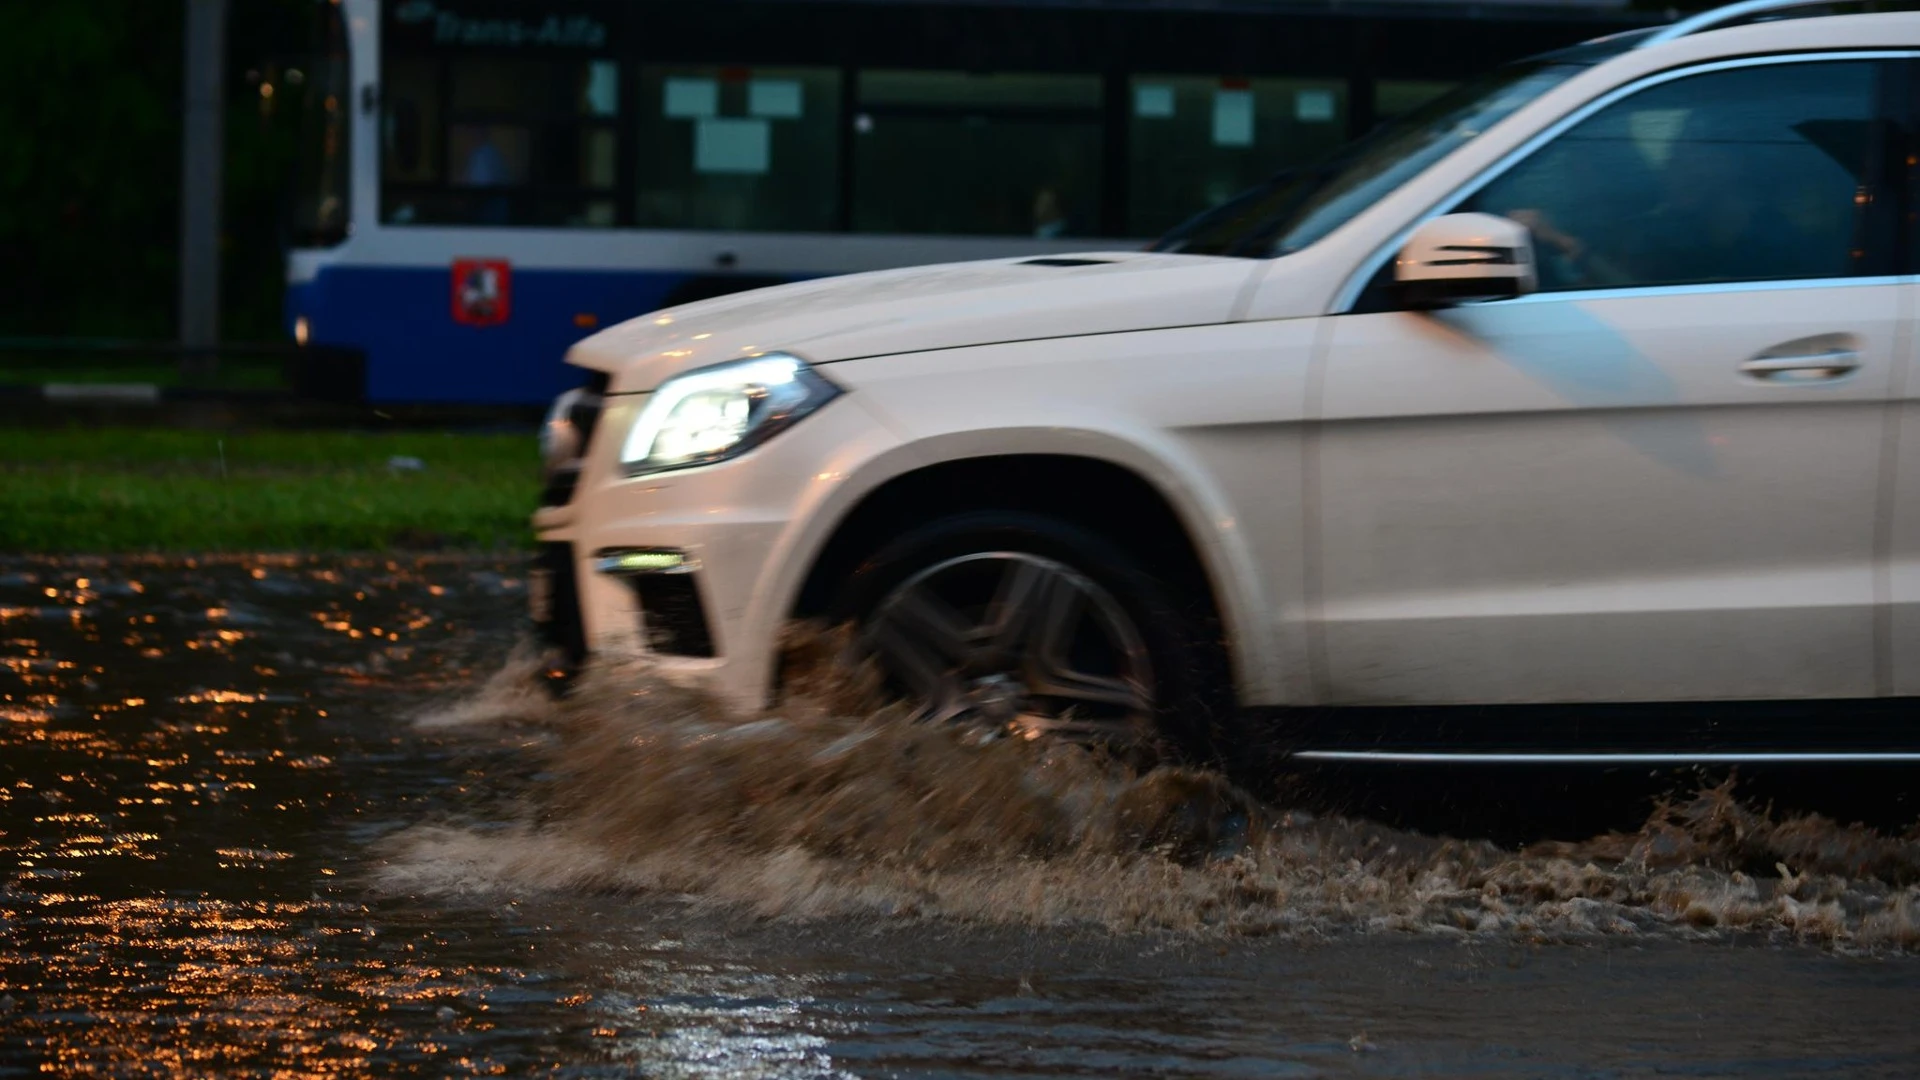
(202, 150)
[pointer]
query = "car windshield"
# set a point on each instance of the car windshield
(1299, 206)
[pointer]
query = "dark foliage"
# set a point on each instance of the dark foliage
(90, 121)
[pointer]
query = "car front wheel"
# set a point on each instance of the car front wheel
(1036, 627)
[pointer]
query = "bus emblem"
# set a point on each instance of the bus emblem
(482, 289)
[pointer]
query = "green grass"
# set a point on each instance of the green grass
(117, 490)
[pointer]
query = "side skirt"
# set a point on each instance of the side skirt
(1869, 731)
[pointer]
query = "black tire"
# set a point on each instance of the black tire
(1192, 696)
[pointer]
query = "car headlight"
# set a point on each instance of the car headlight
(719, 412)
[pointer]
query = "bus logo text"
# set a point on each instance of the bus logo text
(554, 31)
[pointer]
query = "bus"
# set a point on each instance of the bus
(490, 180)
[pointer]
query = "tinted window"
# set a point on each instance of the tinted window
(1752, 173)
(993, 154)
(738, 148)
(1394, 98)
(483, 140)
(321, 201)
(1196, 142)
(1297, 207)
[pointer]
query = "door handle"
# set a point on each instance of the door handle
(1805, 368)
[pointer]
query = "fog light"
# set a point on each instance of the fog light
(648, 561)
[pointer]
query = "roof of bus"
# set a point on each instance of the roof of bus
(1321, 7)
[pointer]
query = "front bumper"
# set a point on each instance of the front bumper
(749, 529)
(553, 599)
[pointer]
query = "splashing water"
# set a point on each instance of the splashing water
(512, 695)
(832, 807)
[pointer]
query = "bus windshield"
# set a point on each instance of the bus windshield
(320, 201)
(1296, 207)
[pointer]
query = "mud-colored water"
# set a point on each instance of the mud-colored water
(313, 817)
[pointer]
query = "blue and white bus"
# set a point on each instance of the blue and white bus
(491, 180)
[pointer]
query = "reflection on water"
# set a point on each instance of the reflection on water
(305, 818)
(193, 756)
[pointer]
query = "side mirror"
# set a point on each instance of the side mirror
(1459, 257)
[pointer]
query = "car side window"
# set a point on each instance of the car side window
(1745, 174)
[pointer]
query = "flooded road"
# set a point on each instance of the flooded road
(311, 818)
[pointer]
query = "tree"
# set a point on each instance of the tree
(90, 165)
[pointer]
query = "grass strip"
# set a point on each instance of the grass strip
(121, 490)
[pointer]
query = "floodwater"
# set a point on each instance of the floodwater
(308, 817)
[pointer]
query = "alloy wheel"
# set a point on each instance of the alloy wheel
(1017, 642)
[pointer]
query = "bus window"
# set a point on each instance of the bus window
(1398, 97)
(495, 141)
(990, 154)
(1194, 142)
(408, 154)
(489, 155)
(738, 148)
(320, 208)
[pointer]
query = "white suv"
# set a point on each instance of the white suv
(1586, 384)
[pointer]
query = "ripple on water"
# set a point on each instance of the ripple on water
(173, 902)
(189, 818)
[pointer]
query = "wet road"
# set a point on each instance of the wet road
(289, 816)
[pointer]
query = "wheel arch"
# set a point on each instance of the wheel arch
(1114, 498)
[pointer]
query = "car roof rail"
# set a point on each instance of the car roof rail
(1719, 17)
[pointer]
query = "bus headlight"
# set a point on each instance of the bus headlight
(720, 412)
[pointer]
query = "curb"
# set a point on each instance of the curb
(103, 393)
(142, 404)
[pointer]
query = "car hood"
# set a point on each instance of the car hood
(921, 308)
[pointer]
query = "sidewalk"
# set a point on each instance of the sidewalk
(105, 383)
(62, 405)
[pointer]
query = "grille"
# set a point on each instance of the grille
(563, 628)
(671, 614)
(559, 488)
